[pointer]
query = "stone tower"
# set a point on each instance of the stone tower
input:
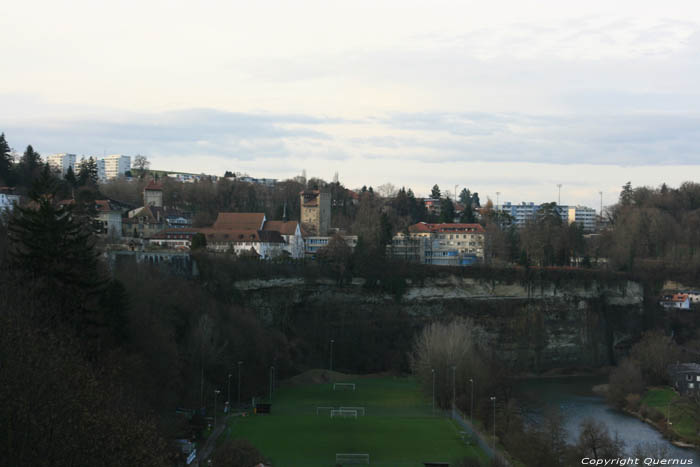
(153, 195)
(315, 212)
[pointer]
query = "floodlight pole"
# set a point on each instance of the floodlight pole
(433, 371)
(229, 391)
(471, 406)
(239, 382)
(331, 360)
(272, 372)
(454, 384)
(493, 399)
(216, 393)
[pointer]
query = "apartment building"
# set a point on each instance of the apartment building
(440, 244)
(110, 167)
(61, 162)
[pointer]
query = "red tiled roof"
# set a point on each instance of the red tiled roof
(239, 221)
(423, 227)
(679, 297)
(311, 197)
(283, 227)
(154, 186)
(235, 236)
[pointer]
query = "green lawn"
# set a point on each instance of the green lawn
(664, 399)
(398, 428)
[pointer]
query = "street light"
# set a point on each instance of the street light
(228, 400)
(493, 399)
(331, 363)
(216, 393)
(272, 372)
(471, 406)
(239, 382)
(454, 391)
(433, 371)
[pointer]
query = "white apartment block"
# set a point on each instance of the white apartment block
(583, 216)
(61, 162)
(113, 166)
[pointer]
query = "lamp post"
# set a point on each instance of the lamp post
(331, 361)
(559, 199)
(216, 393)
(228, 399)
(493, 399)
(272, 372)
(433, 371)
(454, 384)
(239, 382)
(471, 405)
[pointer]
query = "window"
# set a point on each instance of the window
(691, 385)
(688, 377)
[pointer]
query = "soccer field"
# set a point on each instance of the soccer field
(398, 427)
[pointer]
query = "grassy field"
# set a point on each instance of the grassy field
(683, 421)
(397, 430)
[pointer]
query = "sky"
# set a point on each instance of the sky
(507, 97)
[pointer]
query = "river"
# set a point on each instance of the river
(575, 397)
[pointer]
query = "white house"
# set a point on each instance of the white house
(679, 300)
(8, 201)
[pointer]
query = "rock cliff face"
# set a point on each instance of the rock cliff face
(532, 326)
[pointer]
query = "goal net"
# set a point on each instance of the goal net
(344, 413)
(359, 410)
(350, 386)
(346, 458)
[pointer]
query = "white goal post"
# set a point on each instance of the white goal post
(343, 413)
(349, 458)
(343, 386)
(360, 410)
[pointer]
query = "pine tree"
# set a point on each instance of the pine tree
(87, 172)
(30, 166)
(435, 192)
(54, 251)
(5, 160)
(70, 177)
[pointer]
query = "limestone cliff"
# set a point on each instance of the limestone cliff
(533, 326)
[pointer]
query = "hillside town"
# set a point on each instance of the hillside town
(451, 234)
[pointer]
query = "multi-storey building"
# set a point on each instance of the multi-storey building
(440, 244)
(315, 212)
(8, 199)
(61, 162)
(584, 216)
(113, 166)
(526, 212)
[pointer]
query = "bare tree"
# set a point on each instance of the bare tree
(141, 163)
(448, 351)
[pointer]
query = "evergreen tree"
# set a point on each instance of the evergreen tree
(475, 200)
(87, 172)
(54, 250)
(5, 160)
(447, 210)
(465, 197)
(467, 216)
(385, 231)
(30, 166)
(626, 194)
(435, 192)
(70, 178)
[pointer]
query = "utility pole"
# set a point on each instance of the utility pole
(272, 375)
(331, 362)
(498, 195)
(559, 186)
(456, 193)
(601, 205)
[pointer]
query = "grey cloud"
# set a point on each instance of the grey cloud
(186, 132)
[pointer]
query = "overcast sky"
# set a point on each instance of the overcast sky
(500, 96)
